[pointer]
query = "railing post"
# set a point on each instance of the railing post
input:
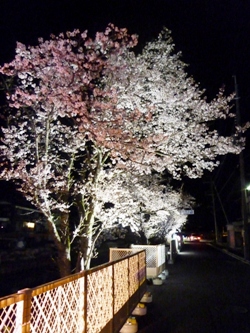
(113, 297)
(23, 311)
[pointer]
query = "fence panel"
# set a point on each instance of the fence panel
(49, 308)
(155, 258)
(8, 314)
(98, 300)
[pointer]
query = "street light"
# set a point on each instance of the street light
(245, 212)
(247, 201)
(242, 181)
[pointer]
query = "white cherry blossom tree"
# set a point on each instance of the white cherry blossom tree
(181, 132)
(91, 122)
(142, 202)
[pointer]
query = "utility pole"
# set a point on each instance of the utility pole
(242, 182)
(211, 193)
(214, 213)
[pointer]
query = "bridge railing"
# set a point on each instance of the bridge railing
(98, 300)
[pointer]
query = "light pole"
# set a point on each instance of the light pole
(246, 244)
(243, 182)
(214, 213)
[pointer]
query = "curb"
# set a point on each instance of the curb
(230, 254)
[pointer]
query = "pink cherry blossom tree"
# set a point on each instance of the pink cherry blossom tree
(91, 122)
(62, 128)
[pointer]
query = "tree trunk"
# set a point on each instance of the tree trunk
(63, 261)
(87, 249)
(87, 240)
(63, 256)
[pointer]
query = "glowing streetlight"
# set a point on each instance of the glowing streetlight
(246, 244)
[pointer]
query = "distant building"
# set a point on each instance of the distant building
(235, 235)
(21, 223)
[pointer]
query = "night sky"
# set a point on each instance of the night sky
(213, 35)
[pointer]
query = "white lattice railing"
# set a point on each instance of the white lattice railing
(155, 257)
(98, 300)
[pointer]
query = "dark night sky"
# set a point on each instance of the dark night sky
(213, 35)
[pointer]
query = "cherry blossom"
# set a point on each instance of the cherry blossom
(91, 126)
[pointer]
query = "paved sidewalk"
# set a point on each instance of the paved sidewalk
(207, 291)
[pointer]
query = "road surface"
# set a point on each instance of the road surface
(207, 291)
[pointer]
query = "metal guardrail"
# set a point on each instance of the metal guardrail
(98, 300)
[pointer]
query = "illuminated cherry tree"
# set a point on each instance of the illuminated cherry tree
(62, 127)
(142, 202)
(91, 122)
(182, 120)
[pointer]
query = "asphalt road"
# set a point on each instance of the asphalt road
(207, 291)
